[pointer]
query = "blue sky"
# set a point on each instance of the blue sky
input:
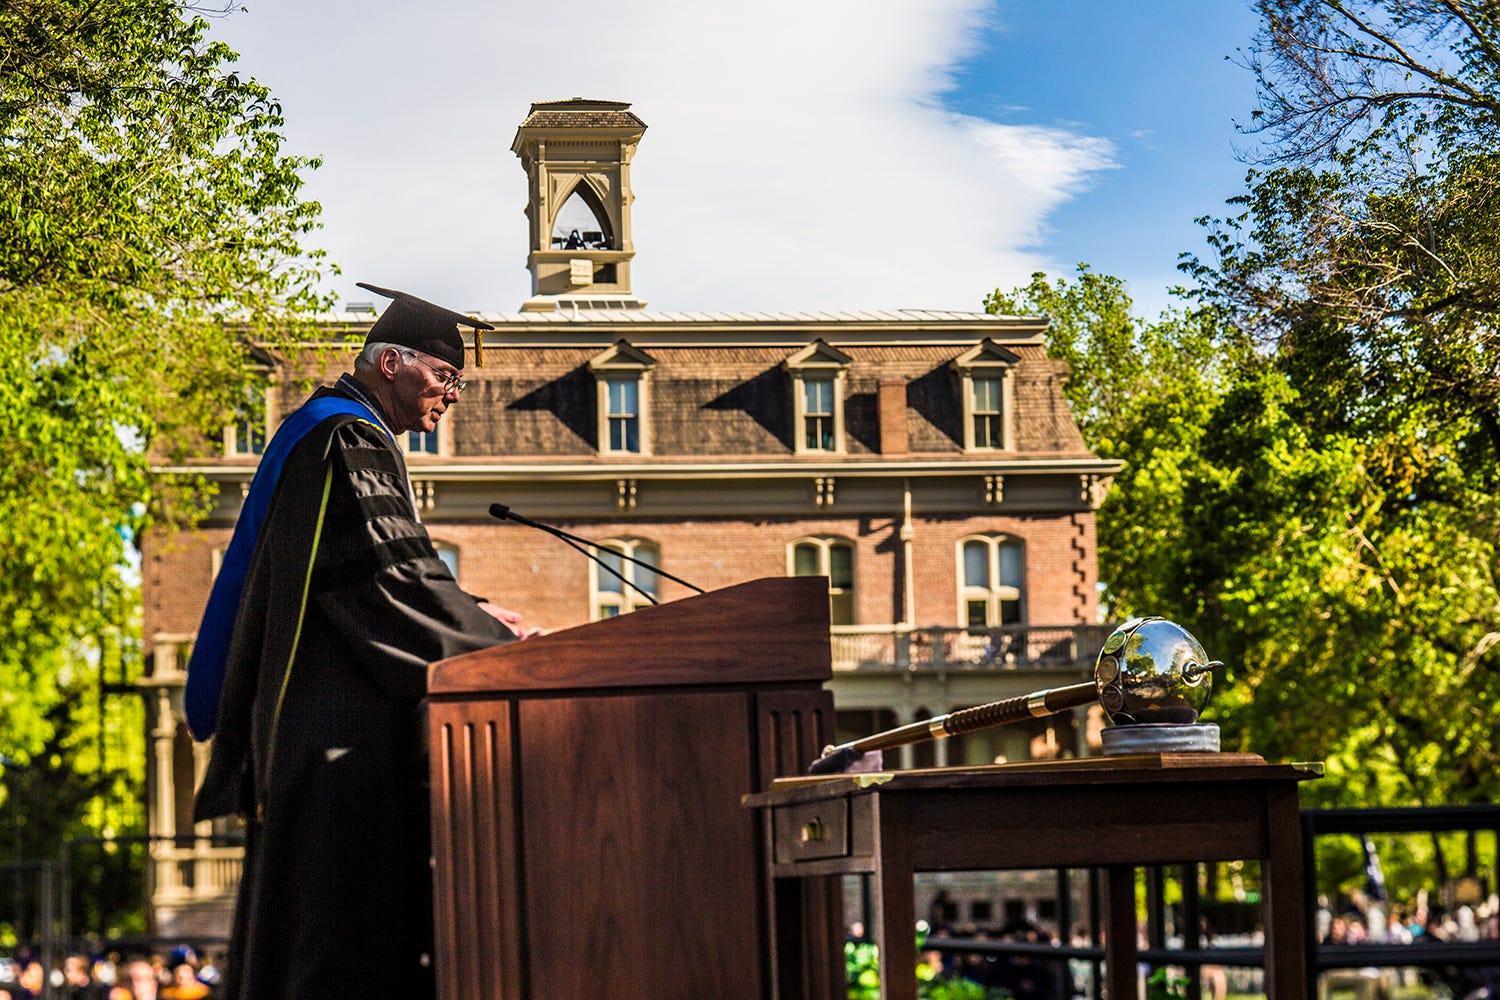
(1151, 77)
(800, 154)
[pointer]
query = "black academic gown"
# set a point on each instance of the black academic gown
(319, 741)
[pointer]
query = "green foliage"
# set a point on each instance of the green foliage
(145, 202)
(1340, 558)
(862, 973)
(862, 970)
(1367, 265)
(1313, 445)
(1143, 393)
(1162, 985)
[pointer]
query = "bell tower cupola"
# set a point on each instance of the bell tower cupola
(577, 154)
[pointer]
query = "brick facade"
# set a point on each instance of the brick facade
(546, 581)
(733, 469)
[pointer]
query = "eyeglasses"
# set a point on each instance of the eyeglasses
(452, 381)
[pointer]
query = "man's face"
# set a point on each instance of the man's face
(143, 981)
(421, 393)
(76, 970)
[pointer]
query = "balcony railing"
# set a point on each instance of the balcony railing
(1009, 647)
(195, 870)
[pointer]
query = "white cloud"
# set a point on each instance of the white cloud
(797, 156)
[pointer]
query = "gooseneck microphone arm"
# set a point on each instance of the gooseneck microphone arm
(504, 513)
(576, 542)
(605, 566)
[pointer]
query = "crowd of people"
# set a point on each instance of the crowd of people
(1023, 977)
(1357, 920)
(1363, 920)
(180, 974)
(1366, 921)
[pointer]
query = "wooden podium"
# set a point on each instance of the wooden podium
(586, 787)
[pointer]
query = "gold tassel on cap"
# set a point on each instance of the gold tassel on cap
(478, 348)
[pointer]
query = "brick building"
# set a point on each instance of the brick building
(926, 462)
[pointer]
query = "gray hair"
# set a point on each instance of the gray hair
(370, 357)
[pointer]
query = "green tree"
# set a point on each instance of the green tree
(1350, 613)
(1311, 477)
(1366, 263)
(1336, 569)
(1341, 75)
(1143, 393)
(151, 226)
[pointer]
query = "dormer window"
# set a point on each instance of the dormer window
(817, 414)
(428, 444)
(818, 373)
(984, 385)
(623, 414)
(987, 418)
(622, 375)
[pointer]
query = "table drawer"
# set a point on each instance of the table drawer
(811, 830)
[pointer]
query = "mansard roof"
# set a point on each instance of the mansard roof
(564, 315)
(716, 402)
(793, 329)
(579, 112)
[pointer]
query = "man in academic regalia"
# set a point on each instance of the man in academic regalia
(308, 670)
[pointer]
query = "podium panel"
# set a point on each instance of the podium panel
(586, 791)
(633, 895)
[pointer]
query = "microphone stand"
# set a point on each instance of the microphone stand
(504, 513)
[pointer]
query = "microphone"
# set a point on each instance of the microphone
(504, 513)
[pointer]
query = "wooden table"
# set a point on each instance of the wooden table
(1115, 813)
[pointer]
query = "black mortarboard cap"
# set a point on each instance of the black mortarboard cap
(423, 326)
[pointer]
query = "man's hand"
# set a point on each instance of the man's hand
(510, 619)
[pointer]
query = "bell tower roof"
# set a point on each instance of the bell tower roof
(578, 112)
(576, 154)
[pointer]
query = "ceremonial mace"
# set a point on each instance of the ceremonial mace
(1152, 679)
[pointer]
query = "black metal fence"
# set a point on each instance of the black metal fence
(1175, 938)
(92, 899)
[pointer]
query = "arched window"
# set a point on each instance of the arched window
(582, 223)
(833, 558)
(990, 582)
(613, 597)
